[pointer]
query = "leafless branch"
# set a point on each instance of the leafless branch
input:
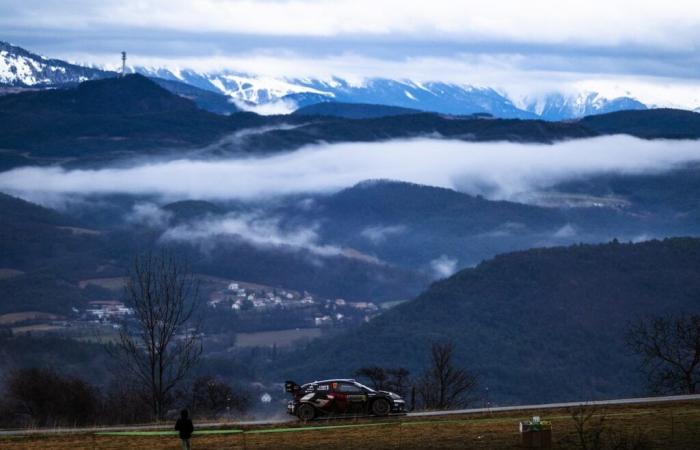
(161, 345)
(670, 351)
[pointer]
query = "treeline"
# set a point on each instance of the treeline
(442, 385)
(669, 347)
(42, 397)
(157, 353)
(540, 325)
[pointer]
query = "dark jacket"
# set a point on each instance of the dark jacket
(185, 427)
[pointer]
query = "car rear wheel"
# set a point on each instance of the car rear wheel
(306, 412)
(381, 407)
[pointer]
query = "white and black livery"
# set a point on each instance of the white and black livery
(341, 397)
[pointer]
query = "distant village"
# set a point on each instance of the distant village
(319, 312)
(107, 310)
(100, 313)
(251, 303)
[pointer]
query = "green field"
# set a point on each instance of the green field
(653, 426)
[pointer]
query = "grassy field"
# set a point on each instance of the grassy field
(38, 328)
(281, 338)
(113, 284)
(17, 317)
(658, 426)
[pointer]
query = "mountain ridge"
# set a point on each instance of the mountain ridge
(127, 116)
(445, 98)
(653, 123)
(353, 110)
(21, 68)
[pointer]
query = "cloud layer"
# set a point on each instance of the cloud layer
(257, 230)
(261, 231)
(673, 25)
(497, 170)
(648, 49)
(522, 77)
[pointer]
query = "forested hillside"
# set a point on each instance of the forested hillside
(46, 254)
(653, 123)
(352, 110)
(539, 325)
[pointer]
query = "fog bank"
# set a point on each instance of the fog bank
(499, 170)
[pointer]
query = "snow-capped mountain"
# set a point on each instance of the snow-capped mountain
(21, 68)
(559, 106)
(432, 96)
(240, 87)
(439, 97)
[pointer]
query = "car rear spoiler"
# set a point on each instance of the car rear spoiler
(291, 387)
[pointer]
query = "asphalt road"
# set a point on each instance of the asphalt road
(286, 419)
(623, 401)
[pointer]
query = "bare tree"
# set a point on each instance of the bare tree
(592, 432)
(46, 398)
(443, 385)
(381, 379)
(210, 396)
(377, 376)
(124, 402)
(670, 348)
(162, 344)
(399, 380)
(589, 423)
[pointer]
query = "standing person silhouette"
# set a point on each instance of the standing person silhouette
(185, 428)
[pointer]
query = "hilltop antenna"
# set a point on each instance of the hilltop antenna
(123, 63)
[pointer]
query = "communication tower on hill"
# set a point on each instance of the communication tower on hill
(123, 63)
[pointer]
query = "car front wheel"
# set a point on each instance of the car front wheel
(306, 412)
(381, 407)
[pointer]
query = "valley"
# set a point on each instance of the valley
(346, 228)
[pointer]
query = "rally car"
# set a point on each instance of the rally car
(340, 397)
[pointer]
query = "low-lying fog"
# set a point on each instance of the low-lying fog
(499, 170)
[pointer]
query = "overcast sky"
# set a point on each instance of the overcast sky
(647, 48)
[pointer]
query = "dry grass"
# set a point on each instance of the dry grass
(112, 284)
(17, 317)
(38, 328)
(667, 426)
